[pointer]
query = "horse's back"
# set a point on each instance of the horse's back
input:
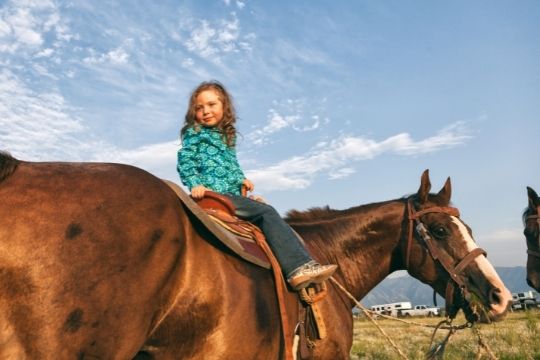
(81, 247)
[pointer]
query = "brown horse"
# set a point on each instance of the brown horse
(104, 261)
(532, 234)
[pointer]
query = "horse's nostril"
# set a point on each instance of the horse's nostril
(529, 282)
(495, 296)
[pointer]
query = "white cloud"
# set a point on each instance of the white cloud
(299, 171)
(45, 53)
(201, 40)
(117, 56)
(239, 4)
(25, 24)
(24, 27)
(275, 123)
(341, 173)
(188, 63)
(295, 119)
(212, 41)
(228, 35)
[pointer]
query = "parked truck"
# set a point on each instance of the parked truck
(421, 310)
(524, 300)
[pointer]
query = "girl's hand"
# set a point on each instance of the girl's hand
(248, 185)
(197, 192)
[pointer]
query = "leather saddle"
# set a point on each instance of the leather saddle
(216, 213)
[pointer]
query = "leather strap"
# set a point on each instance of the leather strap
(306, 352)
(468, 258)
(311, 296)
(533, 253)
(281, 288)
(537, 218)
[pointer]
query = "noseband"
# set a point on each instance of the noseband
(529, 251)
(454, 271)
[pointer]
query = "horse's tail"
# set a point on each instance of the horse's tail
(8, 164)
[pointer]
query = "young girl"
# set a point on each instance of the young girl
(207, 161)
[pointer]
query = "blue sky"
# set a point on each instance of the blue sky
(340, 103)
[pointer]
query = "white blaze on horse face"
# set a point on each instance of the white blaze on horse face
(467, 238)
(486, 268)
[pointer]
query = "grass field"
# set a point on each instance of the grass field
(516, 337)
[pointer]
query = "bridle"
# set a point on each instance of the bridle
(454, 271)
(529, 251)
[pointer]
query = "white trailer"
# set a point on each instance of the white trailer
(393, 309)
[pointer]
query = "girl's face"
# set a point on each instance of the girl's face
(208, 108)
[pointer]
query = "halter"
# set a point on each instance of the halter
(456, 278)
(534, 252)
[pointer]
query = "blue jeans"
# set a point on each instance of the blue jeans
(286, 246)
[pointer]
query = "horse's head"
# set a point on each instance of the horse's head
(441, 252)
(532, 233)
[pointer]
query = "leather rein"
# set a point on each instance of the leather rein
(456, 279)
(529, 251)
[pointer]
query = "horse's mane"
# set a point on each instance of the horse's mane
(325, 213)
(316, 214)
(326, 226)
(310, 214)
(8, 164)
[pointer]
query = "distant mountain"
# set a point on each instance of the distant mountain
(407, 288)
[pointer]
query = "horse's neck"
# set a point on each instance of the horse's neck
(360, 240)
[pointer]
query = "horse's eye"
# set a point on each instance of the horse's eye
(438, 231)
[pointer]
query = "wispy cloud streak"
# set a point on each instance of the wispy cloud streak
(335, 158)
(292, 116)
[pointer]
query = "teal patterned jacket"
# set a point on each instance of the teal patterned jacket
(205, 159)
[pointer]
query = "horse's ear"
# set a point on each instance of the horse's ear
(534, 201)
(425, 186)
(446, 191)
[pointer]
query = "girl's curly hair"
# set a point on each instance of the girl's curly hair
(226, 126)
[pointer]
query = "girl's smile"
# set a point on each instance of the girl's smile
(208, 108)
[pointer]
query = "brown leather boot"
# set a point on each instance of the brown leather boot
(310, 273)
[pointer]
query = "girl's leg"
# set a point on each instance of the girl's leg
(296, 264)
(284, 243)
